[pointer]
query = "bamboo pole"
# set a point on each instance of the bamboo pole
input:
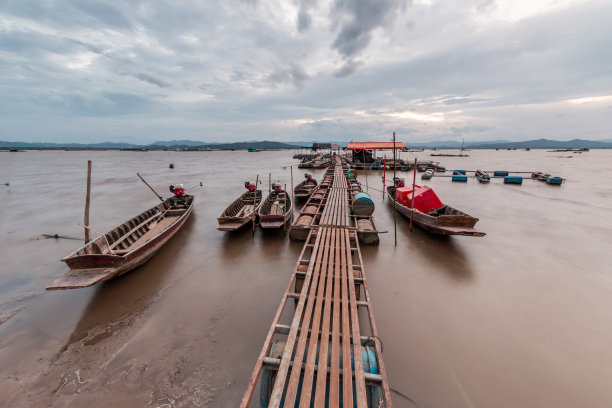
(412, 201)
(285, 210)
(87, 201)
(255, 204)
(154, 192)
(292, 198)
(384, 175)
(394, 201)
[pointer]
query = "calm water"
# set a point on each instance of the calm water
(520, 317)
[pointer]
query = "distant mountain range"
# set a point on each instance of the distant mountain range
(271, 145)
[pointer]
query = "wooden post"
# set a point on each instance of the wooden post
(412, 201)
(394, 201)
(384, 175)
(255, 203)
(292, 198)
(87, 200)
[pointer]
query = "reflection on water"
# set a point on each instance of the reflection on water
(516, 318)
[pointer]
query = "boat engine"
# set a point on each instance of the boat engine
(276, 188)
(250, 185)
(399, 182)
(178, 190)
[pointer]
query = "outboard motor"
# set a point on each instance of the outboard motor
(178, 190)
(399, 182)
(276, 188)
(250, 185)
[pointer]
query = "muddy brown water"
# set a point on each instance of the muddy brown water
(521, 317)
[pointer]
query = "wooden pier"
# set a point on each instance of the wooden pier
(323, 322)
(336, 191)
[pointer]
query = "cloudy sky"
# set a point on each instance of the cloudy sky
(304, 70)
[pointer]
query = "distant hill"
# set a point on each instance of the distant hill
(450, 144)
(269, 145)
(179, 143)
(265, 145)
(544, 144)
(103, 145)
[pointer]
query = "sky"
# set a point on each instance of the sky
(305, 70)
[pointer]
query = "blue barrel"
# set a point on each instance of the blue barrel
(459, 177)
(500, 173)
(370, 365)
(513, 180)
(363, 204)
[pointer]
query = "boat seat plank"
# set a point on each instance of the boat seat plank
(154, 229)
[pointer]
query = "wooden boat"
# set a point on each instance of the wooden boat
(483, 176)
(240, 212)
(305, 188)
(126, 246)
(427, 175)
(538, 175)
(366, 230)
(276, 210)
(445, 220)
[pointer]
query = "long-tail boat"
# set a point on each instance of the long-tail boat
(126, 246)
(242, 210)
(276, 209)
(483, 176)
(430, 213)
(306, 187)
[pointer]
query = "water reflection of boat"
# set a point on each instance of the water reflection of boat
(126, 246)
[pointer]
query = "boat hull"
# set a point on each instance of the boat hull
(87, 270)
(443, 224)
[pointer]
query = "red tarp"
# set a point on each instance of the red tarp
(425, 200)
(375, 145)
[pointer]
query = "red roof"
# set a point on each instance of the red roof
(335, 146)
(375, 145)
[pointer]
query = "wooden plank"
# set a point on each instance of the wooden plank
(281, 376)
(246, 399)
(381, 365)
(317, 284)
(320, 394)
(347, 388)
(334, 379)
(309, 368)
(359, 374)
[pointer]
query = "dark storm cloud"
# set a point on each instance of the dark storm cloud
(356, 19)
(348, 69)
(151, 79)
(304, 20)
(304, 17)
(293, 74)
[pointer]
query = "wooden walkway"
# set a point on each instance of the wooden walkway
(339, 191)
(323, 349)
